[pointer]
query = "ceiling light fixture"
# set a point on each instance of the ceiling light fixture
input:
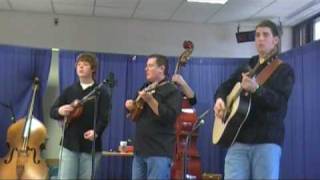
(209, 1)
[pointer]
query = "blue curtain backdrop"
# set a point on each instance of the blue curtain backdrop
(19, 66)
(300, 158)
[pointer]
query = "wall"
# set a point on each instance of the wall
(52, 92)
(124, 36)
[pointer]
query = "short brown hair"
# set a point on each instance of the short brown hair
(161, 60)
(269, 24)
(89, 58)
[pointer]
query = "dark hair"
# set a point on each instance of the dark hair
(161, 60)
(89, 58)
(273, 27)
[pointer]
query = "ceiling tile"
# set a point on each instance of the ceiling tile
(73, 9)
(32, 5)
(239, 10)
(74, 2)
(287, 7)
(4, 5)
(157, 9)
(114, 12)
(282, 8)
(194, 12)
(117, 3)
(115, 8)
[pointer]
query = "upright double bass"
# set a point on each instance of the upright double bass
(186, 159)
(24, 138)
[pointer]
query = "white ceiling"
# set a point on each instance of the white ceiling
(289, 12)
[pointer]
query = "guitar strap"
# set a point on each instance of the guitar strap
(264, 75)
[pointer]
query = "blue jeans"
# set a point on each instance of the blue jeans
(154, 167)
(76, 165)
(256, 161)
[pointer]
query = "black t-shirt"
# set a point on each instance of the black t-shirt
(155, 135)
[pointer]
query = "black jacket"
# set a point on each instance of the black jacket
(269, 104)
(74, 132)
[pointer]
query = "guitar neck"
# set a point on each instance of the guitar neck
(268, 57)
(253, 71)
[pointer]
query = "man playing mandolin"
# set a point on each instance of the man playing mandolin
(155, 131)
(255, 151)
(76, 160)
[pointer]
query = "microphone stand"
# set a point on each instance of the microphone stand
(13, 117)
(65, 120)
(95, 116)
(187, 143)
(96, 93)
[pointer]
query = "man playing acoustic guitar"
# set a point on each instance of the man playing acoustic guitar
(255, 151)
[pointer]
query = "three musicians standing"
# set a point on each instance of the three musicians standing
(255, 153)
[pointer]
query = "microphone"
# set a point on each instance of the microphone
(36, 83)
(197, 125)
(203, 114)
(9, 106)
(200, 121)
(111, 81)
(36, 80)
(4, 105)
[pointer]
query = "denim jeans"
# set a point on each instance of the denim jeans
(154, 167)
(252, 161)
(77, 165)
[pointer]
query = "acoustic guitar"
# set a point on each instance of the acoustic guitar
(238, 105)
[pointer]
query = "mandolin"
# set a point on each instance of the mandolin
(138, 103)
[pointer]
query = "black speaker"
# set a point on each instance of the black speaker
(246, 36)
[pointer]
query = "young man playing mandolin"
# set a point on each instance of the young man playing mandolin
(155, 131)
(79, 134)
(256, 150)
